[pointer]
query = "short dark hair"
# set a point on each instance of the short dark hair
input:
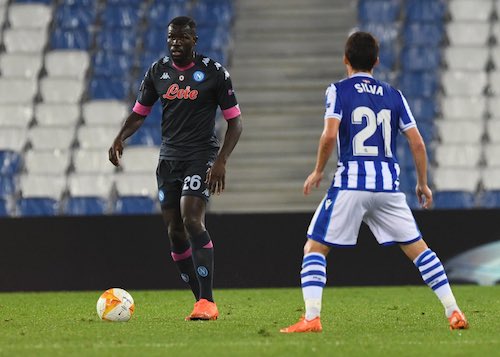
(183, 21)
(361, 50)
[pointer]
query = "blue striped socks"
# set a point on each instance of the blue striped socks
(313, 280)
(434, 276)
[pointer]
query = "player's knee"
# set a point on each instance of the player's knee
(312, 246)
(176, 232)
(193, 225)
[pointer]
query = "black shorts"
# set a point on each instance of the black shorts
(181, 178)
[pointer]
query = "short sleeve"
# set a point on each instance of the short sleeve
(225, 95)
(406, 119)
(333, 109)
(147, 92)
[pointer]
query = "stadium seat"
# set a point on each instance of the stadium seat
(468, 34)
(466, 58)
(454, 200)
(20, 91)
(463, 108)
(387, 56)
(12, 138)
(90, 185)
(109, 88)
(408, 180)
(385, 33)
(143, 184)
(155, 44)
(423, 34)
(75, 16)
(61, 90)
(214, 38)
(45, 186)
(456, 179)
(425, 10)
(470, 10)
(421, 58)
(84, 206)
(4, 212)
(122, 15)
(492, 155)
(464, 83)
(458, 155)
(490, 178)
(118, 40)
(105, 112)
(154, 118)
(135, 205)
(140, 159)
(423, 109)
(383, 11)
(419, 84)
(24, 40)
(493, 130)
(47, 2)
(112, 64)
(96, 137)
(51, 162)
(77, 38)
(8, 186)
(490, 199)
(67, 63)
(92, 162)
(29, 16)
(50, 114)
(10, 162)
(215, 13)
(15, 115)
(85, 3)
(495, 31)
(37, 206)
(460, 131)
(427, 130)
(146, 136)
(404, 155)
(20, 65)
(160, 12)
(494, 85)
(51, 138)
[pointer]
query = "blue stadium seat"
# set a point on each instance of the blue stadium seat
(78, 206)
(214, 13)
(427, 130)
(383, 11)
(8, 186)
(403, 153)
(112, 64)
(146, 59)
(160, 13)
(121, 15)
(47, 2)
(117, 40)
(421, 58)
(37, 206)
(385, 33)
(423, 109)
(453, 200)
(387, 56)
(92, 3)
(4, 212)
(155, 40)
(420, 34)
(216, 55)
(108, 88)
(135, 205)
(10, 163)
(490, 199)
(73, 17)
(419, 84)
(211, 38)
(425, 10)
(407, 179)
(78, 38)
(147, 135)
(122, 2)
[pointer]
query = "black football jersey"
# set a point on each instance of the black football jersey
(189, 97)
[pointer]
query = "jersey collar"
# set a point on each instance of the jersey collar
(361, 74)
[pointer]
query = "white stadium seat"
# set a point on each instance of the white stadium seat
(454, 179)
(140, 159)
(92, 162)
(96, 137)
(13, 138)
(468, 33)
(15, 115)
(67, 63)
(470, 10)
(105, 112)
(61, 90)
(467, 58)
(493, 130)
(463, 108)
(464, 83)
(17, 91)
(460, 132)
(3, 14)
(47, 138)
(494, 83)
(29, 15)
(458, 155)
(136, 185)
(24, 40)
(495, 31)
(490, 178)
(492, 155)
(494, 54)
(20, 65)
(90, 185)
(48, 114)
(52, 162)
(43, 186)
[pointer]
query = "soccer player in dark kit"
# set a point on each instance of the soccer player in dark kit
(191, 167)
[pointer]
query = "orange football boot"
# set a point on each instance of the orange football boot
(304, 326)
(458, 321)
(204, 310)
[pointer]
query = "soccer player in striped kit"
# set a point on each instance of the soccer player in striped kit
(364, 117)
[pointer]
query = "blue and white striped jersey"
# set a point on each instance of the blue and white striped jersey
(371, 114)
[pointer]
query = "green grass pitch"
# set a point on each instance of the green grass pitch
(375, 321)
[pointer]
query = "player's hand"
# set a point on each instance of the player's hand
(115, 151)
(424, 195)
(313, 180)
(216, 177)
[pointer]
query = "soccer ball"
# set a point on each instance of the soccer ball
(115, 305)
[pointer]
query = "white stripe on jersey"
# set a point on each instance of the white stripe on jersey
(370, 178)
(386, 176)
(337, 180)
(352, 175)
(398, 170)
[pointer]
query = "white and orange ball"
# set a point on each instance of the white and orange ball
(115, 305)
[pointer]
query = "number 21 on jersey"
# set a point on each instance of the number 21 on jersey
(372, 122)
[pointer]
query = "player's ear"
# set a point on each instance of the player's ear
(346, 61)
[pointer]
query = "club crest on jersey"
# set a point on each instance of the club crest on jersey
(174, 92)
(198, 76)
(369, 88)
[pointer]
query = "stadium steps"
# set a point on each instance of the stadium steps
(286, 52)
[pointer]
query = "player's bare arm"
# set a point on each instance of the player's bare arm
(216, 175)
(417, 147)
(132, 123)
(325, 148)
